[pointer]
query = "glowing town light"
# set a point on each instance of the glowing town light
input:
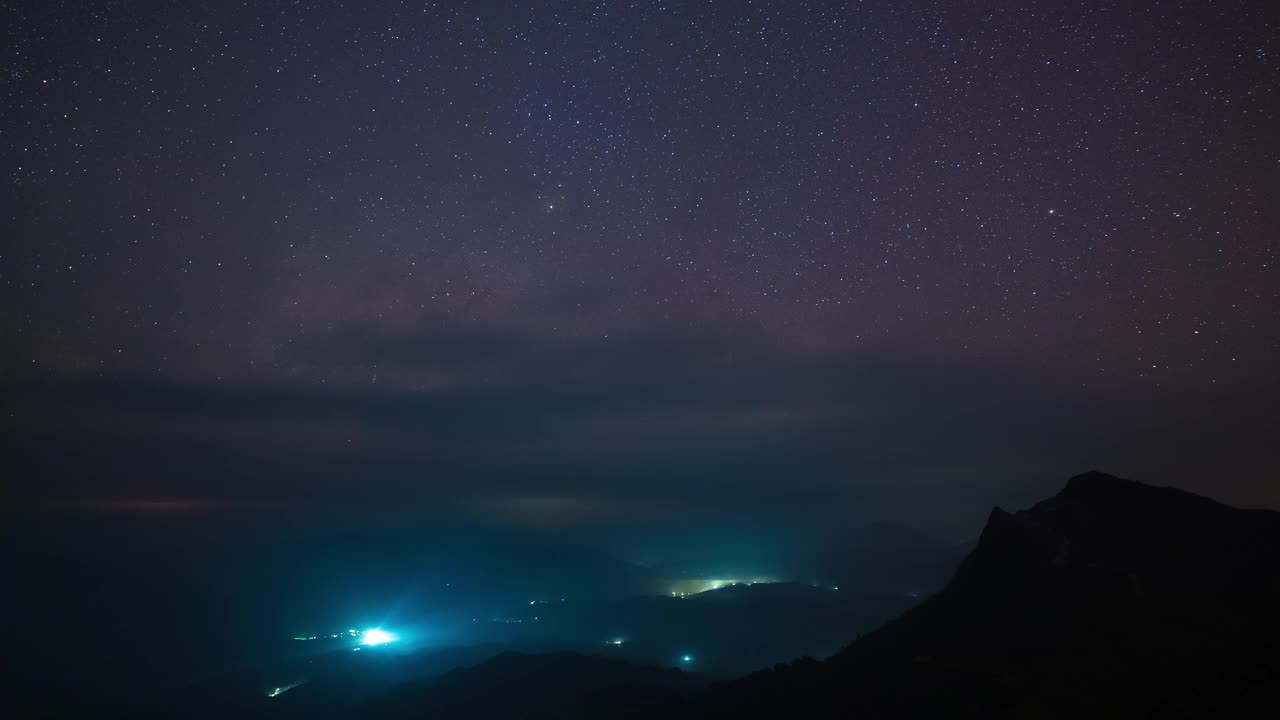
(616, 641)
(377, 636)
(278, 691)
(686, 659)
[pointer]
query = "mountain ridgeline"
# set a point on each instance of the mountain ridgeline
(1110, 599)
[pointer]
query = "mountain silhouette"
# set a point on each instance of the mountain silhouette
(1110, 599)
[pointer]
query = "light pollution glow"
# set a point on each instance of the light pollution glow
(681, 588)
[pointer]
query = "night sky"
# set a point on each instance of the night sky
(636, 265)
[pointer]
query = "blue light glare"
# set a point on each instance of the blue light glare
(377, 636)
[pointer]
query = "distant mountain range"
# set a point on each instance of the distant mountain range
(886, 557)
(1112, 599)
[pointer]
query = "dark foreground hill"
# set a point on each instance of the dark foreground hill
(1111, 599)
(558, 685)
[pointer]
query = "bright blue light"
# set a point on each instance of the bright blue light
(377, 636)
(687, 658)
(278, 691)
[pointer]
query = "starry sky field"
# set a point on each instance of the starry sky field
(580, 264)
